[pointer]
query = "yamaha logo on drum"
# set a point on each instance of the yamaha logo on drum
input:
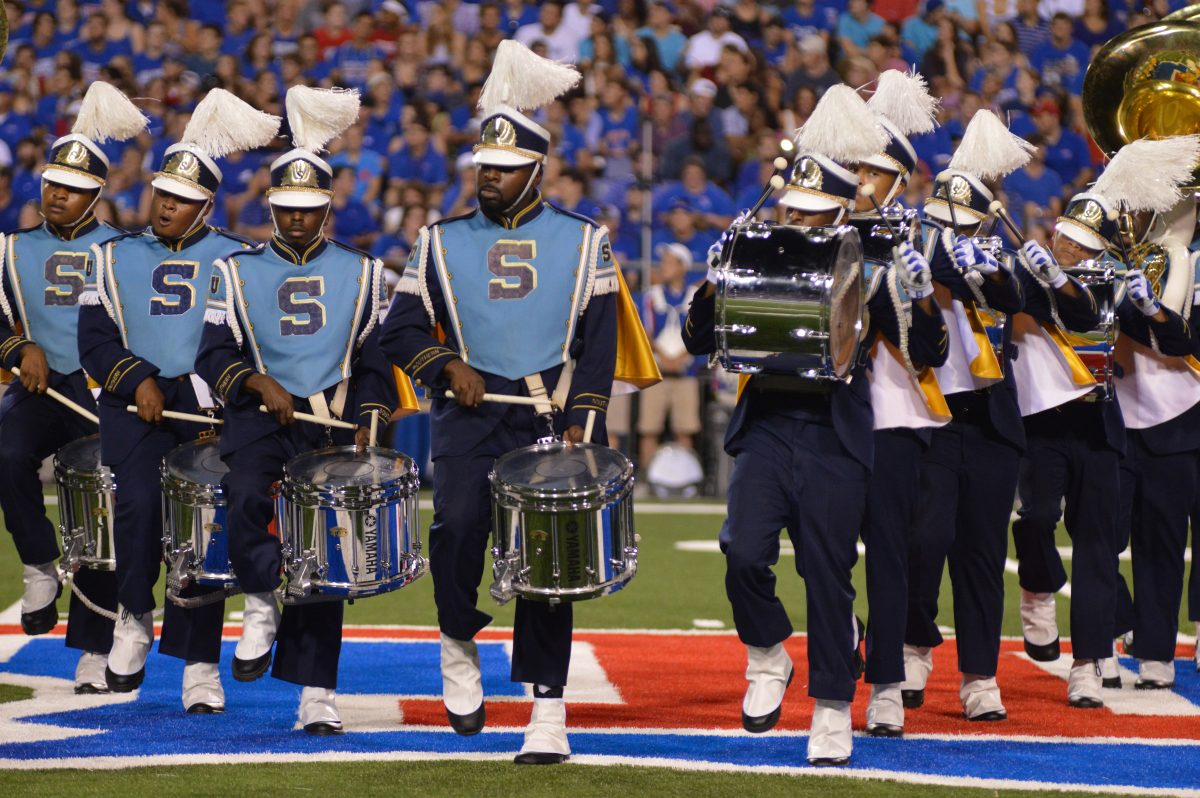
(574, 547)
(371, 542)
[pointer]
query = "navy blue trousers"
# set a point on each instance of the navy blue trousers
(458, 541)
(1193, 577)
(1163, 492)
(1067, 457)
(795, 474)
(968, 482)
(309, 641)
(887, 530)
(31, 429)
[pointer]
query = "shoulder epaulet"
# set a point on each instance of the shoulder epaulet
(572, 214)
(353, 250)
(123, 234)
(29, 229)
(462, 217)
(241, 239)
(255, 249)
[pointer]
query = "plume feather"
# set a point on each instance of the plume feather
(106, 114)
(318, 116)
(222, 124)
(989, 150)
(903, 99)
(1146, 175)
(842, 128)
(522, 79)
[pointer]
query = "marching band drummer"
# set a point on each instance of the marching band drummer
(523, 290)
(46, 269)
(297, 330)
(969, 471)
(138, 333)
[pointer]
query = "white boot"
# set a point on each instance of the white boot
(1155, 675)
(202, 691)
(1040, 626)
(768, 673)
(546, 736)
(42, 588)
(885, 712)
(133, 635)
(1110, 670)
(260, 622)
(318, 711)
(918, 664)
(980, 696)
(462, 685)
(1083, 685)
(89, 673)
(830, 739)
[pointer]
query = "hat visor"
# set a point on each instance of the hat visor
(881, 161)
(71, 179)
(179, 189)
(298, 199)
(1080, 235)
(493, 156)
(809, 203)
(940, 209)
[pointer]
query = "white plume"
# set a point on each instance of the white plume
(522, 79)
(1146, 175)
(221, 123)
(904, 100)
(318, 116)
(106, 114)
(989, 150)
(842, 128)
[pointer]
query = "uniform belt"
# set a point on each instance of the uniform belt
(970, 405)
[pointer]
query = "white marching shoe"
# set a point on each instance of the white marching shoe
(769, 672)
(1110, 670)
(1083, 684)
(39, 614)
(133, 635)
(202, 691)
(1040, 626)
(830, 739)
(89, 674)
(260, 622)
(546, 736)
(1155, 675)
(918, 664)
(462, 686)
(318, 711)
(885, 711)
(980, 696)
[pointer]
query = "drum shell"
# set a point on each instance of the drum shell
(86, 502)
(1096, 347)
(877, 239)
(195, 531)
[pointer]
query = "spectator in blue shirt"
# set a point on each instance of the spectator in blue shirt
(10, 204)
(804, 18)
(148, 64)
(856, 28)
(384, 105)
(569, 192)
(417, 161)
(13, 126)
(1066, 151)
(1033, 184)
(367, 165)
(1061, 59)
(712, 205)
(618, 121)
(203, 62)
(679, 226)
(660, 26)
(237, 30)
(352, 220)
(1031, 30)
(352, 59)
(94, 49)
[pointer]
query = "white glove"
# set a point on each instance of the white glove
(1044, 264)
(967, 255)
(714, 258)
(1141, 293)
(913, 271)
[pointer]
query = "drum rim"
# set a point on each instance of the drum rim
(620, 484)
(289, 479)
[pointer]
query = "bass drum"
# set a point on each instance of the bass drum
(790, 300)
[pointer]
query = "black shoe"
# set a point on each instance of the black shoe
(323, 729)
(764, 723)
(885, 730)
(91, 689)
(1085, 702)
(118, 683)
(1045, 653)
(205, 709)
(829, 761)
(1112, 684)
(860, 661)
(41, 621)
(912, 699)
(247, 670)
(467, 725)
(1152, 684)
(990, 717)
(538, 758)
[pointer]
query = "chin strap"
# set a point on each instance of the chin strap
(201, 217)
(279, 233)
(537, 165)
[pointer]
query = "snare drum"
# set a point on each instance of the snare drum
(877, 237)
(790, 300)
(85, 506)
(562, 523)
(195, 535)
(348, 523)
(1096, 348)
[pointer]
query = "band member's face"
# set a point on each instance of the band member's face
(299, 226)
(62, 205)
(172, 216)
(1070, 253)
(881, 179)
(809, 219)
(497, 187)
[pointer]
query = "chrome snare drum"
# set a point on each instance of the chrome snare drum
(562, 523)
(195, 536)
(877, 236)
(348, 523)
(1096, 348)
(790, 300)
(85, 506)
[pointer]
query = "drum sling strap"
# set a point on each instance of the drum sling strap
(332, 409)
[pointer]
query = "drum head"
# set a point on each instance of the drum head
(198, 462)
(847, 295)
(341, 467)
(558, 468)
(80, 455)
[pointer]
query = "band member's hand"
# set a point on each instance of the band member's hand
(714, 259)
(150, 401)
(968, 255)
(913, 271)
(274, 397)
(362, 439)
(35, 371)
(573, 434)
(1043, 263)
(466, 383)
(1141, 293)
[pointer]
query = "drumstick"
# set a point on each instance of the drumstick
(181, 416)
(868, 191)
(997, 208)
(945, 178)
(374, 427)
(591, 424)
(55, 395)
(503, 398)
(325, 421)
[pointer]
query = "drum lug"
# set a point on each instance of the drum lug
(73, 550)
(736, 329)
(178, 575)
(503, 570)
(300, 574)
